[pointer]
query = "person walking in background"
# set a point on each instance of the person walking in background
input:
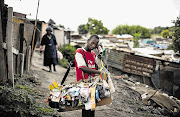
(85, 63)
(50, 53)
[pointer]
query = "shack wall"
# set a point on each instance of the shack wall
(59, 37)
(154, 72)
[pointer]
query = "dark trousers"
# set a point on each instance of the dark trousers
(54, 66)
(88, 113)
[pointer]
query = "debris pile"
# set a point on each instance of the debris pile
(157, 100)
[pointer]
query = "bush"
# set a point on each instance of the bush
(68, 52)
(63, 62)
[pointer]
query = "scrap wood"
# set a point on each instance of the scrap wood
(163, 100)
(160, 98)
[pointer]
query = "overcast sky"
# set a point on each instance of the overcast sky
(72, 13)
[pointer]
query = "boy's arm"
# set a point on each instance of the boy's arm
(90, 71)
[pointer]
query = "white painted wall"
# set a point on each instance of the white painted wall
(59, 36)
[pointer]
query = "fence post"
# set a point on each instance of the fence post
(29, 58)
(9, 33)
(3, 73)
(21, 60)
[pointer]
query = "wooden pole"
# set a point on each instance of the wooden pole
(32, 49)
(3, 73)
(9, 33)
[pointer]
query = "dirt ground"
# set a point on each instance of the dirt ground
(126, 102)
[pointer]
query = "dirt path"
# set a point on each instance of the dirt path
(126, 102)
(46, 78)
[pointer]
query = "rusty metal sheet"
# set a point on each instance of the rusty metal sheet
(139, 65)
(133, 64)
(115, 59)
(17, 20)
(115, 65)
(116, 56)
(140, 59)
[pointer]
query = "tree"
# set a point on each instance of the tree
(82, 30)
(126, 29)
(165, 33)
(95, 26)
(156, 31)
(136, 39)
(176, 40)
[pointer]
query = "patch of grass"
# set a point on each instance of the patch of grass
(45, 109)
(23, 87)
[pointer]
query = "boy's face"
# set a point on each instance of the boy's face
(92, 43)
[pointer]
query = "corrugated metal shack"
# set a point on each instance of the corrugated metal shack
(155, 72)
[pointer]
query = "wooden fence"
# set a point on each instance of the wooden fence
(15, 45)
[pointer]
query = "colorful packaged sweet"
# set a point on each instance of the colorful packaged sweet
(80, 95)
